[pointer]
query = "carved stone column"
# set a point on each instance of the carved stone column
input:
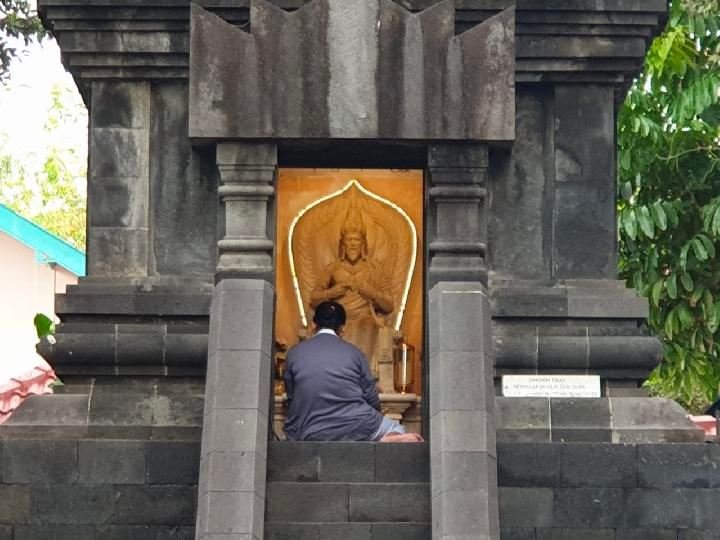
(247, 213)
(457, 221)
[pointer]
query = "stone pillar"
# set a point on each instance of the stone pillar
(231, 488)
(457, 220)
(118, 180)
(462, 432)
(247, 227)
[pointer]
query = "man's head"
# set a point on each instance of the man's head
(329, 315)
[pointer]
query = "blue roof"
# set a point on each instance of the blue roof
(48, 247)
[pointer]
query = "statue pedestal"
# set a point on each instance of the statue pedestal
(403, 408)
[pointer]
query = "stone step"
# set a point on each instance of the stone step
(349, 462)
(347, 531)
(339, 502)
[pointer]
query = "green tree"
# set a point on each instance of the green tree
(669, 198)
(46, 186)
(19, 24)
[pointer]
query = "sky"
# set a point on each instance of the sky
(24, 104)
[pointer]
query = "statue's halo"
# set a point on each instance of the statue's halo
(411, 266)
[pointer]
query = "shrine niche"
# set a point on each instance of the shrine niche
(354, 236)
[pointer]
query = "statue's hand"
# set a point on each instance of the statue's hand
(336, 291)
(368, 292)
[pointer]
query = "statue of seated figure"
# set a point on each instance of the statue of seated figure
(359, 284)
(359, 250)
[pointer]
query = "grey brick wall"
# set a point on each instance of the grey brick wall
(98, 489)
(142, 490)
(608, 491)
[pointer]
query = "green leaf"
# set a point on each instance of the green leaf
(715, 226)
(626, 190)
(708, 245)
(645, 221)
(686, 318)
(699, 249)
(43, 325)
(671, 213)
(625, 160)
(671, 286)
(659, 215)
(683, 255)
(696, 295)
(687, 281)
(630, 224)
(656, 290)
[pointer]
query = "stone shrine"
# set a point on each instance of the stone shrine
(226, 133)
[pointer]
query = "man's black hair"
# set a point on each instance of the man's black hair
(329, 315)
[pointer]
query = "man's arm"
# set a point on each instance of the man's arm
(367, 383)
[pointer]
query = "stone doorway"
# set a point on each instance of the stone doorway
(312, 204)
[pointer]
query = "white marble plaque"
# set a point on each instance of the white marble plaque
(551, 386)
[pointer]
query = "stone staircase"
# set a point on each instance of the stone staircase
(347, 491)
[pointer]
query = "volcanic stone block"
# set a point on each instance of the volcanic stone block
(56, 532)
(517, 465)
(320, 531)
(580, 420)
(117, 251)
(517, 533)
(660, 508)
(675, 466)
(587, 508)
(574, 534)
(111, 462)
(292, 462)
(231, 512)
(614, 465)
(15, 507)
(71, 504)
(239, 379)
(536, 504)
(520, 194)
(154, 505)
(236, 430)
(334, 460)
(389, 502)
(307, 502)
(180, 178)
(172, 462)
(584, 186)
(466, 372)
(138, 532)
(644, 534)
(402, 463)
(523, 419)
(39, 461)
(233, 472)
(459, 314)
(648, 420)
(401, 531)
(244, 320)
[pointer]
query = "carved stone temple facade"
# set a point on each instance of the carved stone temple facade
(222, 132)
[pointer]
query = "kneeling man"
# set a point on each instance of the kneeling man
(330, 389)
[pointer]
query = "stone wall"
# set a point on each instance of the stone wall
(98, 489)
(128, 489)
